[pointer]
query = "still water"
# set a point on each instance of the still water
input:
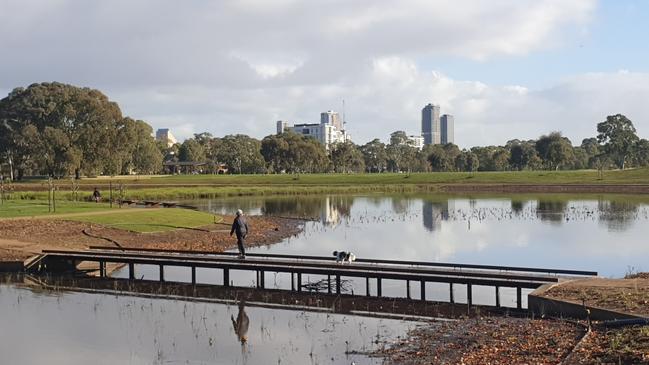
(603, 233)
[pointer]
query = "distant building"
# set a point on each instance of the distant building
(430, 124)
(447, 128)
(416, 141)
(329, 130)
(436, 129)
(165, 136)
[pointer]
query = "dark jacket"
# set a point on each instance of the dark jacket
(240, 226)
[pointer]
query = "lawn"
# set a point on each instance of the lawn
(150, 220)
(32, 208)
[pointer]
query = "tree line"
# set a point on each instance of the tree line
(61, 130)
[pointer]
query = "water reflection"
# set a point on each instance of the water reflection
(433, 213)
(241, 324)
(499, 230)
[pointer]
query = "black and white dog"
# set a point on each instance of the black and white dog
(344, 256)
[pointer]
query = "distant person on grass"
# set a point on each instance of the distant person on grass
(240, 227)
(96, 195)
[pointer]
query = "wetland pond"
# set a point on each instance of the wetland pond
(603, 233)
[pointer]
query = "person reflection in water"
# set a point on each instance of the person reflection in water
(241, 324)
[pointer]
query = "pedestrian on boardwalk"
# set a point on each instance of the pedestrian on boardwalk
(240, 227)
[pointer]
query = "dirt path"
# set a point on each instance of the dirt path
(22, 238)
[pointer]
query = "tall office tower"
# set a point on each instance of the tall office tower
(281, 126)
(430, 124)
(333, 118)
(447, 128)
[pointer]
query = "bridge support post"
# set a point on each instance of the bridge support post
(408, 289)
(378, 287)
(262, 279)
(299, 282)
(292, 282)
(329, 284)
(226, 277)
(193, 275)
(162, 273)
(497, 297)
(451, 298)
(337, 284)
(131, 271)
(102, 269)
(367, 286)
(519, 298)
(422, 287)
(469, 294)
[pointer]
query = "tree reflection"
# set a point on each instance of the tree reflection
(552, 211)
(328, 209)
(617, 215)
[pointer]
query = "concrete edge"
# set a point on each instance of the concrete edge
(544, 306)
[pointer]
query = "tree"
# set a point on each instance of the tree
(555, 150)
(375, 156)
(191, 151)
(346, 157)
(240, 152)
(522, 155)
(467, 161)
(444, 157)
(641, 153)
(618, 136)
(146, 157)
(294, 153)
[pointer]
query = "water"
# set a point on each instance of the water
(600, 233)
(42, 327)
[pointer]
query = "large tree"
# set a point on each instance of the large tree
(346, 157)
(294, 153)
(618, 136)
(555, 150)
(240, 152)
(375, 156)
(87, 130)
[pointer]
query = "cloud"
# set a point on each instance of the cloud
(238, 66)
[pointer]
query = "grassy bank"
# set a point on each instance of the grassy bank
(32, 208)
(150, 220)
(630, 176)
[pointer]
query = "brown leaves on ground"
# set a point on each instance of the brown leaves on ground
(623, 295)
(487, 341)
(22, 238)
(628, 345)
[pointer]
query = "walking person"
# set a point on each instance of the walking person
(240, 227)
(96, 195)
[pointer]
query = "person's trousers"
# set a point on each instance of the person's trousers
(240, 243)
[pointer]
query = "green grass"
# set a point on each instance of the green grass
(629, 176)
(32, 208)
(144, 220)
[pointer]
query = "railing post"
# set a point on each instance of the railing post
(131, 270)
(329, 284)
(292, 282)
(469, 295)
(519, 298)
(378, 287)
(408, 289)
(367, 286)
(262, 278)
(193, 275)
(337, 284)
(299, 282)
(226, 277)
(102, 269)
(497, 297)
(423, 290)
(162, 273)
(451, 298)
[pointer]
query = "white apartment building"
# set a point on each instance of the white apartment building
(327, 132)
(165, 136)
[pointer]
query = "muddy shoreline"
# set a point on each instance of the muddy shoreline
(24, 238)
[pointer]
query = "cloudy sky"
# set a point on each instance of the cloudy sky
(505, 68)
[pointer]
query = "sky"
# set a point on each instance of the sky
(505, 69)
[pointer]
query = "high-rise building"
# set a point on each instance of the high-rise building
(165, 136)
(447, 129)
(430, 124)
(333, 118)
(282, 125)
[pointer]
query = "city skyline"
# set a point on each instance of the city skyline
(229, 68)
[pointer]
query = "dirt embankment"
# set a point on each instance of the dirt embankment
(22, 238)
(547, 188)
